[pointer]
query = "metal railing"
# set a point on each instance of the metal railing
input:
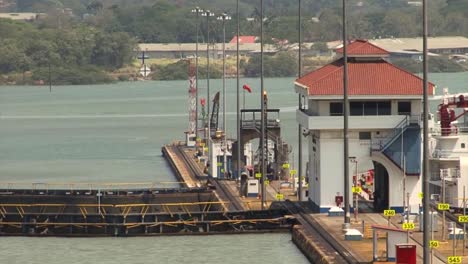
(83, 186)
(447, 154)
(447, 174)
(452, 131)
(397, 130)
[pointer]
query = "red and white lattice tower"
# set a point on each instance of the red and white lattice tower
(192, 102)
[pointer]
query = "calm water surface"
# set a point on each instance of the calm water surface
(262, 248)
(113, 133)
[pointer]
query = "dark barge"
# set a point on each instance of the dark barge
(128, 213)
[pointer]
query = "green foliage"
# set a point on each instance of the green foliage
(179, 71)
(79, 48)
(173, 71)
(72, 75)
(320, 47)
(165, 21)
(282, 64)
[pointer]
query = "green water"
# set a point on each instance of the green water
(261, 248)
(113, 133)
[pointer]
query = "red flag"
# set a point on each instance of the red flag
(247, 88)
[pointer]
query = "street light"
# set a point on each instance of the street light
(223, 18)
(208, 14)
(196, 11)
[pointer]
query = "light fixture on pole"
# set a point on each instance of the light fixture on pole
(425, 170)
(238, 94)
(345, 121)
(208, 14)
(223, 18)
(197, 11)
(263, 143)
(299, 75)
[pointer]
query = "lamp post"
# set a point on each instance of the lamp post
(238, 94)
(223, 18)
(263, 143)
(197, 11)
(345, 122)
(356, 193)
(208, 14)
(299, 75)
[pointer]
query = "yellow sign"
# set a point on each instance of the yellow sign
(199, 140)
(389, 212)
(258, 175)
(219, 164)
(279, 196)
(293, 172)
(202, 144)
(454, 259)
(420, 195)
(443, 206)
(267, 182)
(408, 226)
(463, 218)
(286, 166)
(205, 148)
(357, 189)
(433, 243)
(222, 170)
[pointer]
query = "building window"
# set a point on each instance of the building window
(356, 108)
(404, 108)
(370, 108)
(364, 135)
(336, 109)
(462, 145)
(384, 108)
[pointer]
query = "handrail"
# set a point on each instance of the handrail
(380, 146)
(452, 131)
(446, 154)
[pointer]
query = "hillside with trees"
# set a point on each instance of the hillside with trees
(172, 21)
(82, 41)
(74, 53)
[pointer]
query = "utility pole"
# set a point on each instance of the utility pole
(223, 18)
(197, 11)
(263, 113)
(299, 75)
(238, 95)
(208, 14)
(345, 121)
(50, 77)
(443, 201)
(426, 249)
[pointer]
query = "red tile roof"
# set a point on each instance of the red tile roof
(370, 77)
(361, 47)
(244, 39)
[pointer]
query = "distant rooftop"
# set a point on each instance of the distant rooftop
(416, 44)
(21, 16)
(244, 39)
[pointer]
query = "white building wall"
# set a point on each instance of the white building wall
(326, 162)
(314, 167)
(326, 170)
